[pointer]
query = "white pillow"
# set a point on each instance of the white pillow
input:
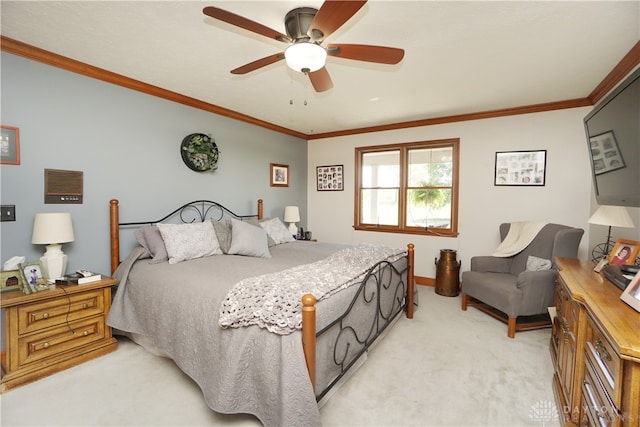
(537, 264)
(277, 231)
(247, 239)
(189, 241)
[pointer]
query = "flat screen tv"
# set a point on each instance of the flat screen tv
(613, 137)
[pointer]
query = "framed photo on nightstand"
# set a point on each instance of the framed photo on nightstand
(11, 281)
(33, 276)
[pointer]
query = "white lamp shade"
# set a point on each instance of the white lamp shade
(291, 214)
(305, 56)
(612, 216)
(52, 227)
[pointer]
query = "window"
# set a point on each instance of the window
(408, 188)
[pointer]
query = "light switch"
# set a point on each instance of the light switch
(8, 213)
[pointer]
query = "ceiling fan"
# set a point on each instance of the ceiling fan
(306, 29)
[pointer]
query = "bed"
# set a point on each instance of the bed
(268, 333)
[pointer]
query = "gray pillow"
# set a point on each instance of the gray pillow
(256, 222)
(149, 237)
(249, 240)
(223, 233)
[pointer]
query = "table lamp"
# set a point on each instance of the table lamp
(52, 229)
(292, 215)
(612, 216)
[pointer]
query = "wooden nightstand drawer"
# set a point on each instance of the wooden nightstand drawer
(45, 314)
(606, 362)
(60, 339)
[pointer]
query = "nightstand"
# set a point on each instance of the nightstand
(49, 331)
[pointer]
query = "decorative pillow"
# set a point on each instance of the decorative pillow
(150, 238)
(189, 241)
(247, 239)
(536, 264)
(223, 234)
(277, 231)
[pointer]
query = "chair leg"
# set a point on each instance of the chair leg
(465, 300)
(511, 327)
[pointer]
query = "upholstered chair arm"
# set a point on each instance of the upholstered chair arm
(490, 264)
(538, 288)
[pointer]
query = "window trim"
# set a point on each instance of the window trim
(404, 148)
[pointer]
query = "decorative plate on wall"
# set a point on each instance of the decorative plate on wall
(199, 152)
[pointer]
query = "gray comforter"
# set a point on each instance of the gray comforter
(240, 370)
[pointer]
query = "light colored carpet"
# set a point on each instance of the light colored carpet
(445, 367)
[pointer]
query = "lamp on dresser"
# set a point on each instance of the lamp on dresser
(53, 229)
(611, 216)
(292, 215)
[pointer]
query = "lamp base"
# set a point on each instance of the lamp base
(54, 262)
(293, 229)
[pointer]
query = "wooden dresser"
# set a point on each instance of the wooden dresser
(52, 330)
(595, 347)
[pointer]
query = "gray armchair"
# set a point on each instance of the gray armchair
(506, 290)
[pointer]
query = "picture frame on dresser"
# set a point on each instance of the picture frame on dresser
(624, 252)
(33, 276)
(11, 281)
(631, 294)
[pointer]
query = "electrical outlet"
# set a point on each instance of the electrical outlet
(7, 213)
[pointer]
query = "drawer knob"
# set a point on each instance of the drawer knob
(85, 305)
(85, 333)
(46, 345)
(602, 351)
(45, 316)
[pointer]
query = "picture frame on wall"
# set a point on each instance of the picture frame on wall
(520, 168)
(9, 145)
(624, 252)
(330, 178)
(279, 175)
(605, 154)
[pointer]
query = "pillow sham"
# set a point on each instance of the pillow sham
(249, 240)
(537, 264)
(189, 241)
(255, 221)
(277, 231)
(149, 237)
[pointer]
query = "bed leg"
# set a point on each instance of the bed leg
(410, 284)
(309, 335)
(115, 234)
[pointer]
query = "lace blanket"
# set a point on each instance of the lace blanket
(273, 301)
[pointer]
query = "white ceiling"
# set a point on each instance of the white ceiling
(460, 57)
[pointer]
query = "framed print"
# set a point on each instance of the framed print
(9, 145)
(279, 175)
(33, 276)
(605, 154)
(526, 168)
(624, 252)
(330, 178)
(11, 281)
(631, 294)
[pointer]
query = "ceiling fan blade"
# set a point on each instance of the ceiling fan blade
(263, 62)
(368, 53)
(321, 80)
(247, 24)
(331, 16)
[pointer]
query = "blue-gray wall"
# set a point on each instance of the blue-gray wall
(127, 144)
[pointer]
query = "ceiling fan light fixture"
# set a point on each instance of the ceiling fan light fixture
(305, 57)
